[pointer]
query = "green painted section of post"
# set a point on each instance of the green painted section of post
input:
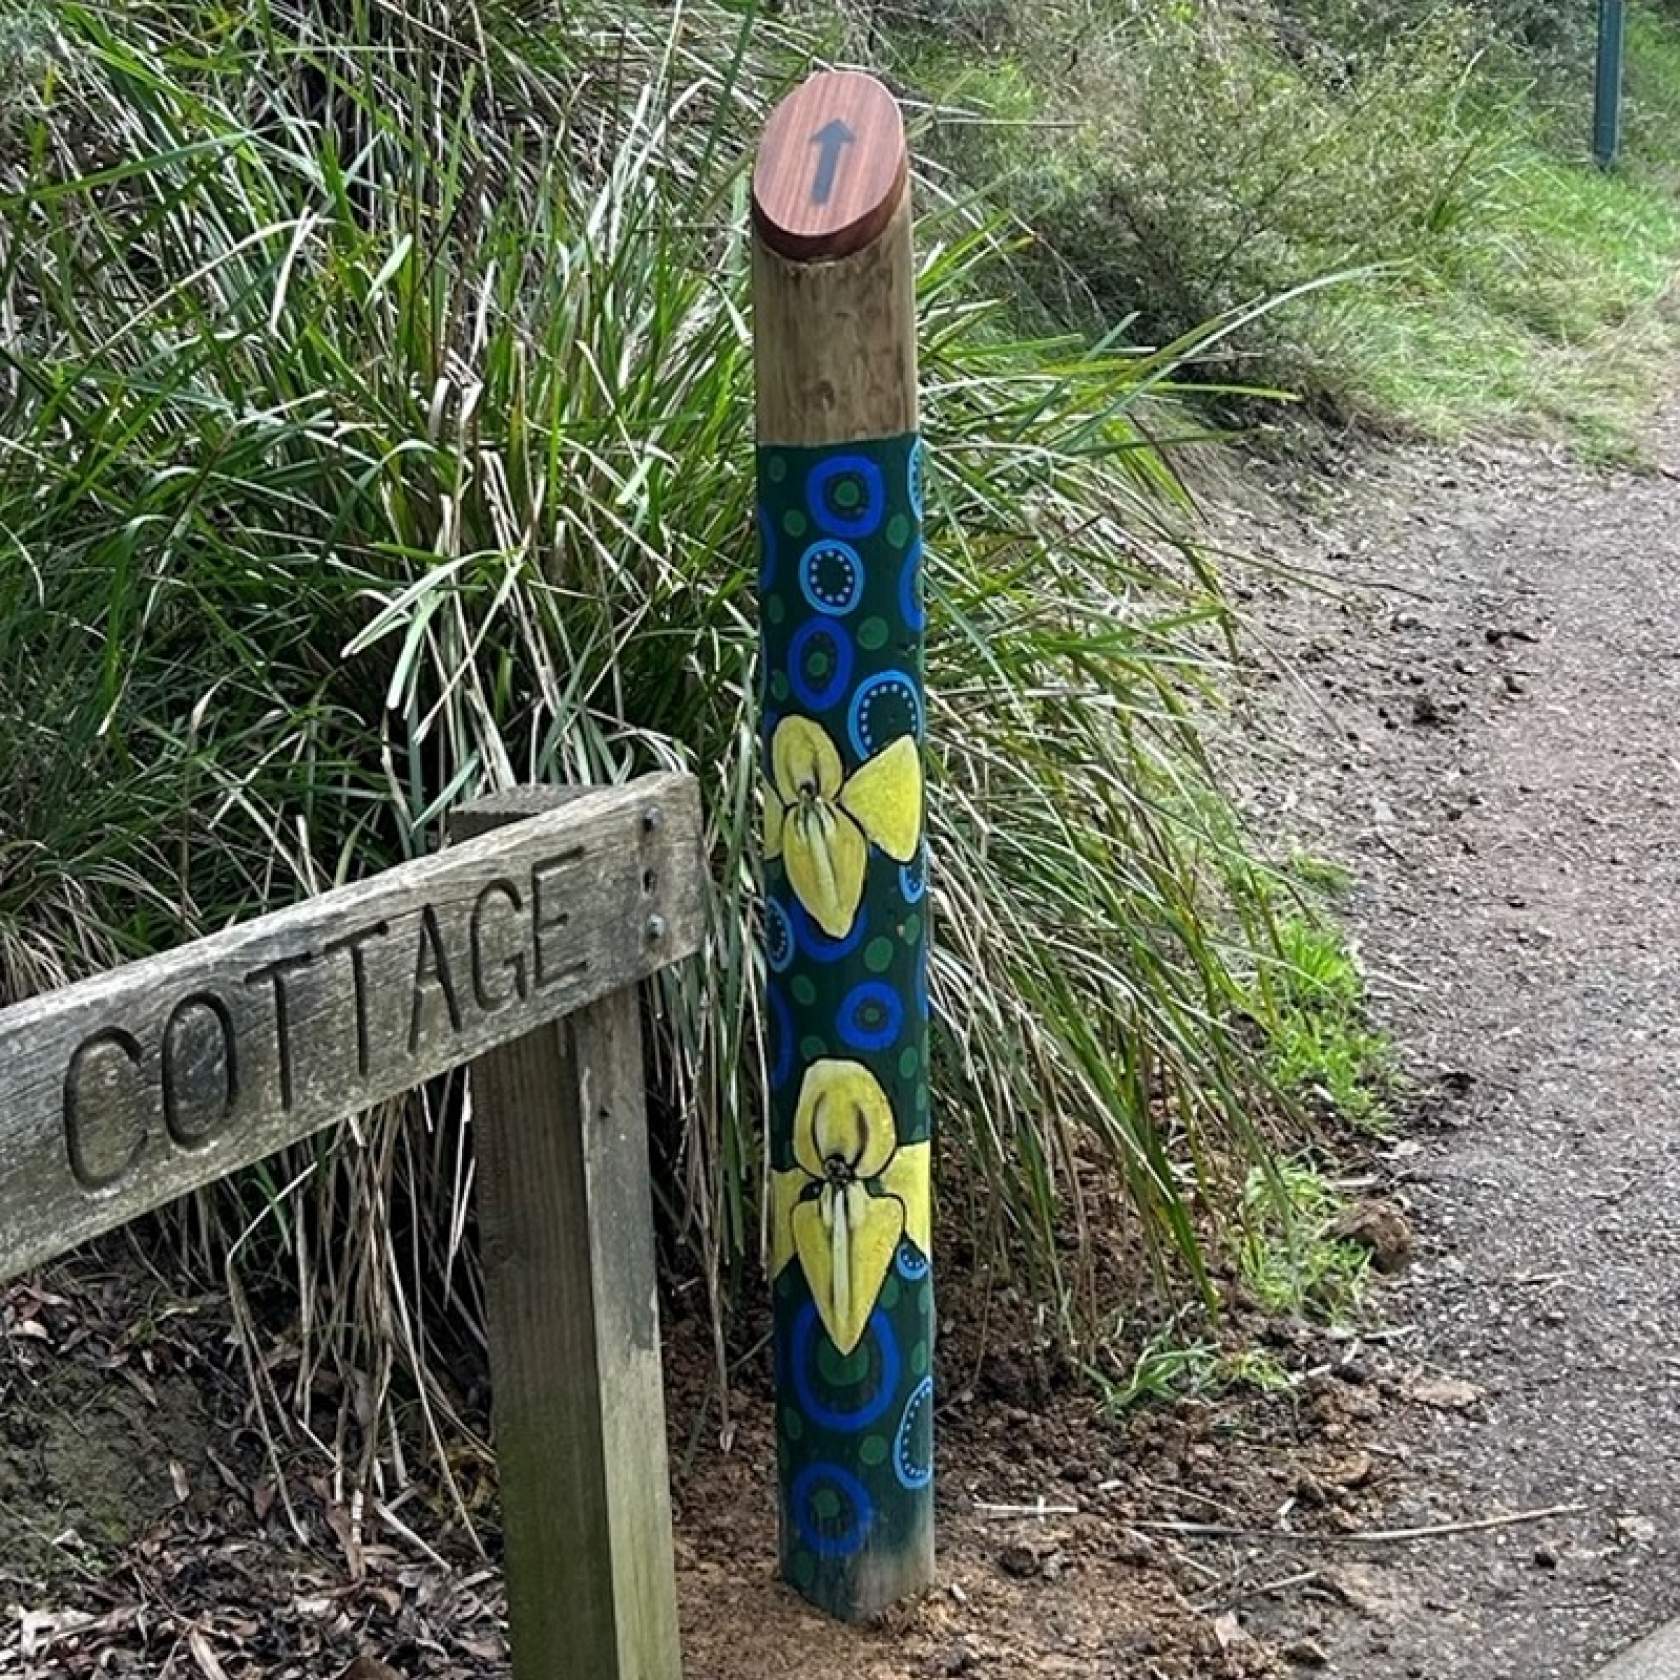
(845, 918)
(1607, 101)
(842, 622)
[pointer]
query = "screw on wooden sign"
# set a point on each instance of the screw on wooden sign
(840, 474)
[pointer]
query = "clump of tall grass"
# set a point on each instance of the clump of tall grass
(377, 430)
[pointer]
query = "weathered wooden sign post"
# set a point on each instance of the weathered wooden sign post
(840, 491)
(517, 950)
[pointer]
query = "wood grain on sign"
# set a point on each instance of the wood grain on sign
(832, 167)
(127, 1090)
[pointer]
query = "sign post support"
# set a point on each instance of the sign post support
(840, 470)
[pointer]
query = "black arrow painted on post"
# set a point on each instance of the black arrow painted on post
(834, 137)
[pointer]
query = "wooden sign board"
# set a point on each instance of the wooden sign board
(132, 1088)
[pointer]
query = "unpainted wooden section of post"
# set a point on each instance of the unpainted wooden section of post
(836, 341)
(834, 281)
(565, 1212)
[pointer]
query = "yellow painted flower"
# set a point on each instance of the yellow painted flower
(820, 821)
(853, 1194)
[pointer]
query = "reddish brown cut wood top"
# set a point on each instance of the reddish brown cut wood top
(831, 167)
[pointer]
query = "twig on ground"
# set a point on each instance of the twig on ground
(1172, 1492)
(1261, 1589)
(1038, 1509)
(1365, 1537)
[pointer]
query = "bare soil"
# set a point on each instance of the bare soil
(1488, 732)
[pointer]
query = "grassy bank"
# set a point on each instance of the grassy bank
(1177, 162)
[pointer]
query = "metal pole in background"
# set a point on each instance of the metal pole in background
(1607, 103)
(845, 873)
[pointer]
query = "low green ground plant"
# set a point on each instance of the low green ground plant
(1290, 1256)
(1168, 1369)
(1321, 1044)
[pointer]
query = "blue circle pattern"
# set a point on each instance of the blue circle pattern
(840, 674)
(874, 1405)
(910, 604)
(778, 937)
(817, 945)
(830, 554)
(912, 877)
(851, 1025)
(887, 684)
(912, 1265)
(913, 1474)
(851, 1539)
(836, 524)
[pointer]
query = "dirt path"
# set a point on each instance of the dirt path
(1497, 754)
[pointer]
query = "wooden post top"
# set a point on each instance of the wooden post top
(832, 167)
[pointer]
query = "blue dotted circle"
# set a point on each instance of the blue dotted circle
(817, 945)
(831, 577)
(871, 997)
(837, 522)
(874, 1405)
(912, 1265)
(884, 686)
(829, 690)
(779, 943)
(912, 1453)
(912, 877)
(910, 606)
(825, 1541)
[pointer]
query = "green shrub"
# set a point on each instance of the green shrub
(1182, 161)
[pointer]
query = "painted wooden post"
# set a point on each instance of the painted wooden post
(566, 1221)
(840, 470)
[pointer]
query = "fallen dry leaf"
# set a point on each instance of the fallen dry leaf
(208, 1666)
